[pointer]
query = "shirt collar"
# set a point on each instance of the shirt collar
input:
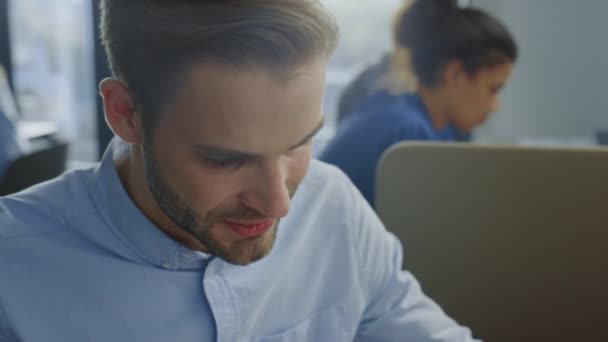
(129, 223)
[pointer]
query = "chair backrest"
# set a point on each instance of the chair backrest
(33, 168)
(511, 241)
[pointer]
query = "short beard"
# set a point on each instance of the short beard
(184, 216)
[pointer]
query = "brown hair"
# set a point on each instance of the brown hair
(151, 44)
(430, 33)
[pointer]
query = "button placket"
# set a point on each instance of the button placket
(221, 302)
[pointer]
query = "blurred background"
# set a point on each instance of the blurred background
(556, 95)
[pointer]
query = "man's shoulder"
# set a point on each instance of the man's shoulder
(44, 207)
(320, 216)
(322, 174)
(326, 187)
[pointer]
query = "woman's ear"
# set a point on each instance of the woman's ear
(120, 111)
(453, 73)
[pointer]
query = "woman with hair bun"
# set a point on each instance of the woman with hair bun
(455, 59)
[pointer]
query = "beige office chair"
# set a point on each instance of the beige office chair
(511, 241)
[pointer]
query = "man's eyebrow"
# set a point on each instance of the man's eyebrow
(309, 135)
(216, 152)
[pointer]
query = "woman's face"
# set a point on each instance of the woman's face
(473, 97)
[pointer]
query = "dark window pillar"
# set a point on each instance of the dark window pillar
(104, 134)
(5, 42)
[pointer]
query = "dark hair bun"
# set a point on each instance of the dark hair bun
(441, 4)
(422, 17)
(437, 31)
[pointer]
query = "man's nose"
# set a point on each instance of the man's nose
(269, 193)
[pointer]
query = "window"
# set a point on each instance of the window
(52, 54)
(365, 35)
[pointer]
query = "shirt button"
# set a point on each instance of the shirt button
(166, 265)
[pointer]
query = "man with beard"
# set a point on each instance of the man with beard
(175, 235)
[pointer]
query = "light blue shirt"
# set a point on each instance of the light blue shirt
(9, 145)
(79, 262)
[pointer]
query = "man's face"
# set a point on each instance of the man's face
(229, 152)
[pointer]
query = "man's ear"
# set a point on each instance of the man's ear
(120, 111)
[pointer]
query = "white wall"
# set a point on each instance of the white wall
(559, 86)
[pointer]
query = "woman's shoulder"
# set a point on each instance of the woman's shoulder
(402, 109)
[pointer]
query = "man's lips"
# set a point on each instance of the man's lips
(250, 229)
